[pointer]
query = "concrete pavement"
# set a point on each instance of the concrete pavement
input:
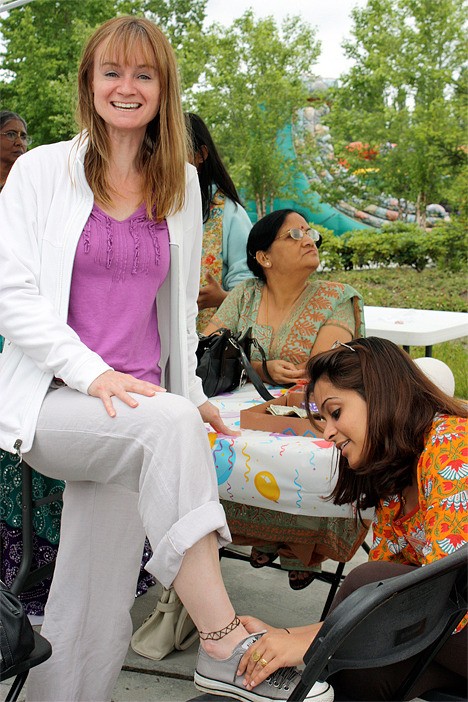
(264, 593)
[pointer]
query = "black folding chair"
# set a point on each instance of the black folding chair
(331, 578)
(41, 652)
(387, 622)
(27, 578)
(391, 621)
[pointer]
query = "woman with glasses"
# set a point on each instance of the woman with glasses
(294, 315)
(14, 141)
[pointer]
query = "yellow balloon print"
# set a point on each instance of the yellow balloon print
(267, 486)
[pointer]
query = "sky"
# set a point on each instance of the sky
(331, 17)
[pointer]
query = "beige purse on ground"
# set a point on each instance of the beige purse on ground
(167, 628)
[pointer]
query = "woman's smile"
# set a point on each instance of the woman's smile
(127, 97)
(126, 105)
(345, 414)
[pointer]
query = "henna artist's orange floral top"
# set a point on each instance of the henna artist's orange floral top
(439, 525)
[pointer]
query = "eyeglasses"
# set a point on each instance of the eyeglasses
(13, 136)
(298, 234)
(346, 346)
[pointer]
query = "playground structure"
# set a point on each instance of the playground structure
(387, 209)
(345, 216)
(305, 198)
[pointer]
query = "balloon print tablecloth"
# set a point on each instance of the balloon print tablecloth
(285, 473)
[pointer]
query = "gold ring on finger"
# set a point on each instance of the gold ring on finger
(263, 662)
(255, 656)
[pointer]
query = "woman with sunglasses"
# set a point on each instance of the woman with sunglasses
(14, 141)
(402, 446)
(294, 316)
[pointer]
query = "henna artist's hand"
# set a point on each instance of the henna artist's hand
(277, 648)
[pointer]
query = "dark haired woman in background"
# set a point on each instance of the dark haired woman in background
(14, 142)
(226, 224)
(402, 445)
(294, 315)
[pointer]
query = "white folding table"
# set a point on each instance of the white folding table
(410, 327)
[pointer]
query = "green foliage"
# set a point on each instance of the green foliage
(448, 243)
(43, 46)
(398, 244)
(252, 85)
(430, 289)
(335, 253)
(406, 96)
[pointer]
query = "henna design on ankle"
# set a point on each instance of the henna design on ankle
(221, 633)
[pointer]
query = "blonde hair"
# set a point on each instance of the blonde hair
(163, 152)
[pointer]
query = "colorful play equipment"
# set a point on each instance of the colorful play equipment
(307, 200)
(387, 209)
(344, 216)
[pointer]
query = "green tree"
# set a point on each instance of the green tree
(182, 21)
(401, 97)
(251, 86)
(44, 41)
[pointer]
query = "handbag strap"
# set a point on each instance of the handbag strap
(251, 372)
(259, 347)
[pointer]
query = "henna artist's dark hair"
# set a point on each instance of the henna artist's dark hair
(401, 404)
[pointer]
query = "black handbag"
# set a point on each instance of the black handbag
(16, 632)
(224, 365)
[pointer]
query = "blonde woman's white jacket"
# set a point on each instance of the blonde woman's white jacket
(43, 208)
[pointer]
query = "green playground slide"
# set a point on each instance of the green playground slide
(308, 202)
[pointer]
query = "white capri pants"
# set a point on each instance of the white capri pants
(149, 470)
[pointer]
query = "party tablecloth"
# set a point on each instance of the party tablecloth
(279, 472)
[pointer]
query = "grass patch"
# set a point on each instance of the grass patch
(430, 289)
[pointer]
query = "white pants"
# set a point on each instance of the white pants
(148, 470)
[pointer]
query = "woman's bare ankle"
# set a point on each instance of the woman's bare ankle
(222, 648)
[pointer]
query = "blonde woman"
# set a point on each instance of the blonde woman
(98, 299)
